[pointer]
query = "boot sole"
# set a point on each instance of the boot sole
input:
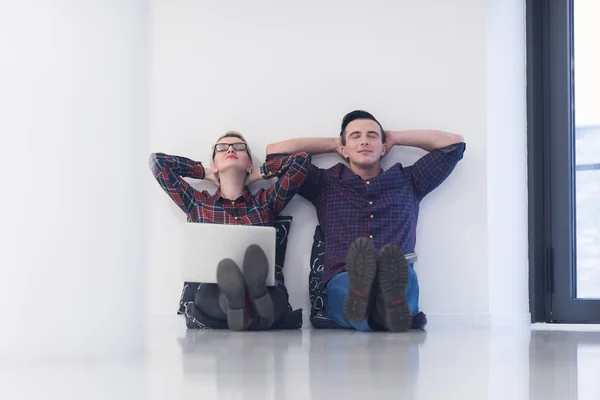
(393, 278)
(361, 266)
(256, 269)
(231, 283)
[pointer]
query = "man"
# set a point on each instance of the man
(363, 209)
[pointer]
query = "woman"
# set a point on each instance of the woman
(226, 304)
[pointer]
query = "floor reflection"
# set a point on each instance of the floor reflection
(358, 365)
(564, 365)
(240, 365)
(479, 363)
(466, 364)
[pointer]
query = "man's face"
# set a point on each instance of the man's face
(364, 145)
(231, 158)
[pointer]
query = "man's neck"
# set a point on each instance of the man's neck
(366, 173)
(232, 185)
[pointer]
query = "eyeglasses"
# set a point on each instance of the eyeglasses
(221, 147)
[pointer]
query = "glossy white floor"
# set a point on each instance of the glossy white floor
(442, 363)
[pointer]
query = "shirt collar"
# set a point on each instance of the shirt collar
(245, 197)
(349, 174)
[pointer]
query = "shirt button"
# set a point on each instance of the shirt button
(370, 236)
(371, 215)
(371, 203)
(236, 218)
(368, 183)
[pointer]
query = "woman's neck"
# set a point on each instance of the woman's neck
(232, 185)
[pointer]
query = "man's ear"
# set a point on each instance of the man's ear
(344, 153)
(383, 150)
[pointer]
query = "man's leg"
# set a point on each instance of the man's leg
(412, 291)
(412, 300)
(337, 290)
(396, 289)
(361, 266)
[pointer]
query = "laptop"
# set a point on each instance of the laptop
(204, 245)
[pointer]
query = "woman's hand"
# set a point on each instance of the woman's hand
(254, 176)
(209, 175)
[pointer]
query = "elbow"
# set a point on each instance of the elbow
(156, 162)
(449, 140)
(152, 159)
(271, 149)
(278, 148)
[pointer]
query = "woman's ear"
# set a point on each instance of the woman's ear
(213, 167)
(250, 166)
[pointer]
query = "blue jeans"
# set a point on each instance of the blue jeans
(338, 288)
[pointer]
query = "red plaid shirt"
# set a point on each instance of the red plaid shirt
(259, 209)
(384, 209)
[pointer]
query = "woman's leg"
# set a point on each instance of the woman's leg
(256, 269)
(231, 283)
(196, 319)
(206, 299)
(279, 297)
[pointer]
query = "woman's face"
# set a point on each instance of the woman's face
(230, 153)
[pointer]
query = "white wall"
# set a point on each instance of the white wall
(507, 161)
(74, 128)
(276, 70)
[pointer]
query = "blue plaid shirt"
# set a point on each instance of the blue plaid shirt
(384, 209)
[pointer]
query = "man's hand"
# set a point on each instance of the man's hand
(338, 146)
(389, 142)
(209, 175)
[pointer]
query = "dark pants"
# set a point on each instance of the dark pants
(195, 318)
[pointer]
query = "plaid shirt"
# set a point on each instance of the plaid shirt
(384, 209)
(260, 209)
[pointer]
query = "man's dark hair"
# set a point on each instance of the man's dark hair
(358, 114)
